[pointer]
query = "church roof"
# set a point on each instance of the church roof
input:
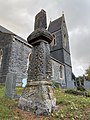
(56, 60)
(55, 25)
(4, 30)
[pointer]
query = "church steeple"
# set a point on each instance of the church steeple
(59, 31)
(60, 50)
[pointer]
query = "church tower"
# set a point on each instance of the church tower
(60, 47)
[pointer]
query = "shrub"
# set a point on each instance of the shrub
(81, 88)
(56, 85)
(75, 92)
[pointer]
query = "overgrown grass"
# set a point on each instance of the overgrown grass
(19, 90)
(7, 107)
(69, 107)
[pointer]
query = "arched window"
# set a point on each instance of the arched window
(52, 70)
(28, 60)
(1, 54)
(65, 40)
(61, 71)
(53, 43)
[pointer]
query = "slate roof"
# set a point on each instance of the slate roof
(56, 60)
(55, 25)
(4, 30)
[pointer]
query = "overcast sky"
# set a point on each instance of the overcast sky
(18, 16)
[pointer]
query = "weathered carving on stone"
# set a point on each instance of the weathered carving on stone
(40, 62)
(40, 20)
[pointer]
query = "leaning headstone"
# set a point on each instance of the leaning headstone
(38, 93)
(10, 85)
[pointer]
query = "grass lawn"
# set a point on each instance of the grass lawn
(69, 107)
(7, 107)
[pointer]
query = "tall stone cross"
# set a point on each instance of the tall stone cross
(38, 93)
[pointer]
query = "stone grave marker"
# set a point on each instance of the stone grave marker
(10, 85)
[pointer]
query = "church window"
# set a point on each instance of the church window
(52, 71)
(65, 40)
(61, 71)
(28, 60)
(64, 21)
(1, 54)
(53, 43)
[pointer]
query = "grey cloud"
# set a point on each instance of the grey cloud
(76, 11)
(80, 47)
(20, 14)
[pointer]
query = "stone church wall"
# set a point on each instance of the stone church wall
(5, 46)
(15, 58)
(69, 81)
(19, 60)
(56, 73)
(67, 58)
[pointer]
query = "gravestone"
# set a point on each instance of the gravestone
(10, 85)
(38, 93)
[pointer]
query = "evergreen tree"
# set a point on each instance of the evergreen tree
(88, 73)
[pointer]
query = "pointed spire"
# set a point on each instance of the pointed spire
(63, 18)
(50, 20)
(62, 13)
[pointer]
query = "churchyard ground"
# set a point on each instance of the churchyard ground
(69, 107)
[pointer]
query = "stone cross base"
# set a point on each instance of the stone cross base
(38, 97)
